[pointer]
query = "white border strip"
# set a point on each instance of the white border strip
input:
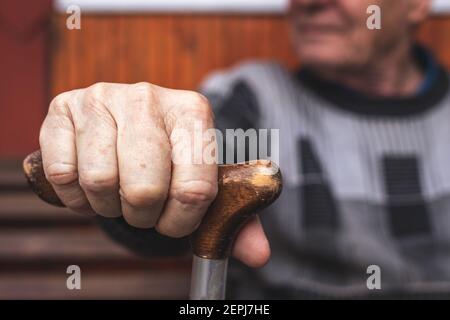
(200, 6)
(441, 6)
(174, 6)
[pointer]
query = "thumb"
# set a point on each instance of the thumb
(251, 245)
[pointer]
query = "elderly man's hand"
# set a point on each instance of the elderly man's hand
(108, 149)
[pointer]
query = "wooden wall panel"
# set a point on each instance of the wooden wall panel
(179, 50)
(173, 51)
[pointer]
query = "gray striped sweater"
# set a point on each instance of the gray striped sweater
(366, 182)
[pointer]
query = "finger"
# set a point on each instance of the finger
(251, 245)
(96, 152)
(143, 151)
(57, 142)
(194, 183)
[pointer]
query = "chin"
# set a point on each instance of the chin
(321, 57)
(327, 50)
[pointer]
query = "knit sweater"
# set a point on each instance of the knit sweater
(366, 182)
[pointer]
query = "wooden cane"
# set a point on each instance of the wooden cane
(243, 190)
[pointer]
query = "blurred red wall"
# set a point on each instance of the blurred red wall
(23, 73)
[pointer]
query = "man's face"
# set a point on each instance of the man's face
(334, 33)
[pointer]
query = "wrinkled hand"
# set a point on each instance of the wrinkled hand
(108, 149)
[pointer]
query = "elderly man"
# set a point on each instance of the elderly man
(364, 151)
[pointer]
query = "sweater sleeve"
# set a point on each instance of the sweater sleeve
(238, 109)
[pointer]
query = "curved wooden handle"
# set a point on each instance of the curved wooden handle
(244, 189)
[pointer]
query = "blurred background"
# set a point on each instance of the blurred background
(172, 43)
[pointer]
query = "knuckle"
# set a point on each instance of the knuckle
(200, 99)
(97, 181)
(143, 195)
(59, 116)
(95, 104)
(194, 193)
(94, 95)
(143, 87)
(143, 94)
(61, 174)
(60, 103)
(197, 107)
(98, 89)
(200, 102)
(193, 107)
